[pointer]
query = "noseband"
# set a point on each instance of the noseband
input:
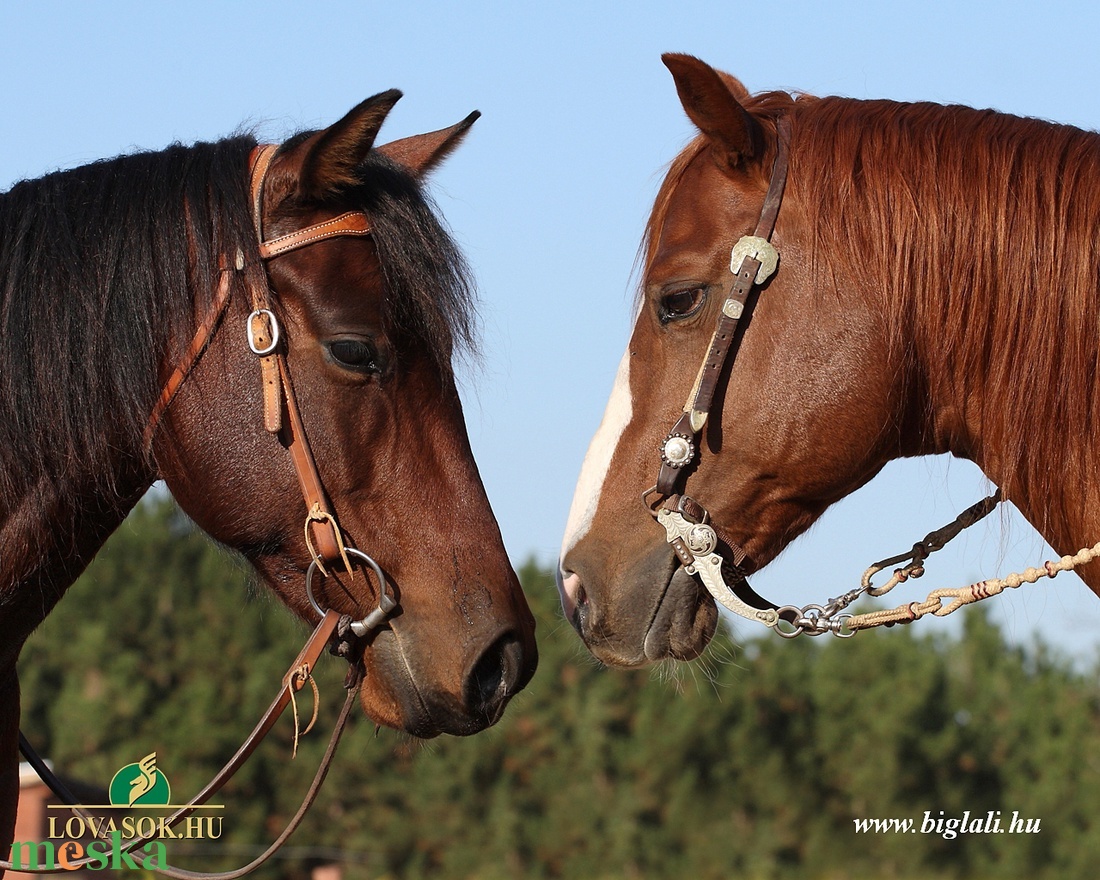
(282, 415)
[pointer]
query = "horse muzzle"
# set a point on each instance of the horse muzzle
(401, 690)
(655, 612)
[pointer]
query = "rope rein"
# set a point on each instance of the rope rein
(814, 620)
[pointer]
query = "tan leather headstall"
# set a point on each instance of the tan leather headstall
(282, 415)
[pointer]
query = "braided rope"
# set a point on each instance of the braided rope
(816, 620)
(961, 596)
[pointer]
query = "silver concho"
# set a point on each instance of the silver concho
(702, 539)
(759, 249)
(677, 450)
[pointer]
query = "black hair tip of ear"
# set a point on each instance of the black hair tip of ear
(388, 97)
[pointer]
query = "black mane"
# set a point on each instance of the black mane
(430, 295)
(101, 270)
(95, 291)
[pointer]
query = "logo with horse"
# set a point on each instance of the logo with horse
(140, 784)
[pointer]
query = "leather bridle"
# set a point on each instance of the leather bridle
(689, 530)
(324, 537)
(282, 415)
(695, 539)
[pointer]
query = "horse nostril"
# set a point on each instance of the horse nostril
(495, 675)
(574, 600)
(572, 593)
(582, 613)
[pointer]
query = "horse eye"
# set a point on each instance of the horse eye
(681, 304)
(354, 354)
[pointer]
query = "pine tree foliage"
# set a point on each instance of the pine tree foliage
(753, 762)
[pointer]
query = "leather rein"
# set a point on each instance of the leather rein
(324, 538)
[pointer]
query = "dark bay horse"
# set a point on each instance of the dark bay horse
(936, 292)
(126, 288)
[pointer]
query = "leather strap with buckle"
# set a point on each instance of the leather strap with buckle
(281, 412)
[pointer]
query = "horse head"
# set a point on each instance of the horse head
(787, 429)
(368, 324)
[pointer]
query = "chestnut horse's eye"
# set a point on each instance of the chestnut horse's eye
(681, 303)
(354, 354)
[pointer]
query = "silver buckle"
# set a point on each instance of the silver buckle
(273, 325)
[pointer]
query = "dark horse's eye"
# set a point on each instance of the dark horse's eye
(354, 354)
(681, 303)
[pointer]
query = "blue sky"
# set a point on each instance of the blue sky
(549, 194)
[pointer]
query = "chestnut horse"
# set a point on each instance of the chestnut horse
(119, 366)
(935, 292)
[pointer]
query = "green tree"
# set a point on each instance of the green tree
(754, 761)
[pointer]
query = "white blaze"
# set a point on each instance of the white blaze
(598, 459)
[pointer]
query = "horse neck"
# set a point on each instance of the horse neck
(1006, 359)
(99, 289)
(50, 534)
(975, 233)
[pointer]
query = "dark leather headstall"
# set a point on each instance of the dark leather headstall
(690, 532)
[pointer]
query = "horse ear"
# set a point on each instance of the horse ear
(712, 106)
(421, 153)
(333, 155)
